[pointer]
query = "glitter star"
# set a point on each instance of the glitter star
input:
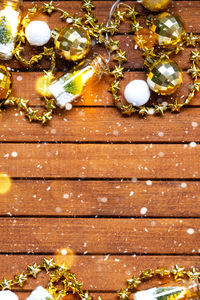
(120, 57)
(20, 279)
(118, 72)
(124, 294)
(48, 264)
(33, 270)
(48, 7)
(6, 284)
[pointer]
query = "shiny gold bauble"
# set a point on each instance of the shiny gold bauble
(168, 28)
(5, 83)
(72, 42)
(43, 83)
(155, 5)
(165, 77)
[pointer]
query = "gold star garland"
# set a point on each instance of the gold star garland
(62, 281)
(97, 31)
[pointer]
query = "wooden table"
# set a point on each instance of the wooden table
(122, 193)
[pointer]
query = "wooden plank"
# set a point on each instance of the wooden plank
(100, 160)
(102, 198)
(187, 11)
(49, 235)
(102, 125)
(97, 273)
(94, 96)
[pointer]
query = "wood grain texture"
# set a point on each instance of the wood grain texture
(100, 160)
(49, 208)
(97, 273)
(102, 125)
(97, 95)
(102, 198)
(48, 235)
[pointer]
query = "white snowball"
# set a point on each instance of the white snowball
(40, 294)
(38, 33)
(137, 92)
(8, 295)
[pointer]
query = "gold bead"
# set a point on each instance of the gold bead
(155, 5)
(165, 77)
(168, 28)
(5, 83)
(72, 42)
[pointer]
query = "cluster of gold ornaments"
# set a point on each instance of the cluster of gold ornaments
(166, 34)
(63, 282)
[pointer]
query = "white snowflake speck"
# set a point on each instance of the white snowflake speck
(14, 154)
(190, 231)
(143, 210)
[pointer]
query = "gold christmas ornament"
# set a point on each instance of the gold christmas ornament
(165, 77)
(71, 42)
(168, 28)
(5, 83)
(155, 5)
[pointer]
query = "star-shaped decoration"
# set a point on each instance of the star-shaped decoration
(47, 116)
(178, 272)
(195, 71)
(193, 275)
(120, 57)
(20, 279)
(6, 284)
(160, 109)
(179, 48)
(124, 294)
(22, 103)
(90, 19)
(51, 288)
(118, 72)
(133, 283)
(113, 45)
(48, 7)
(77, 20)
(32, 114)
(191, 40)
(119, 15)
(135, 26)
(87, 5)
(143, 110)
(65, 15)
(113, 27)
(114, 88)
(146, 274)
(140, 41)
(195, 56)
(131, 13)
(33, 270)
(48, 264)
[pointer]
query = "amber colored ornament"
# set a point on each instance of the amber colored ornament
(145, 38)
(165, 77)
(155, 5)
(5, 83)
(168, 28)
(71, 42)
(42, 84)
